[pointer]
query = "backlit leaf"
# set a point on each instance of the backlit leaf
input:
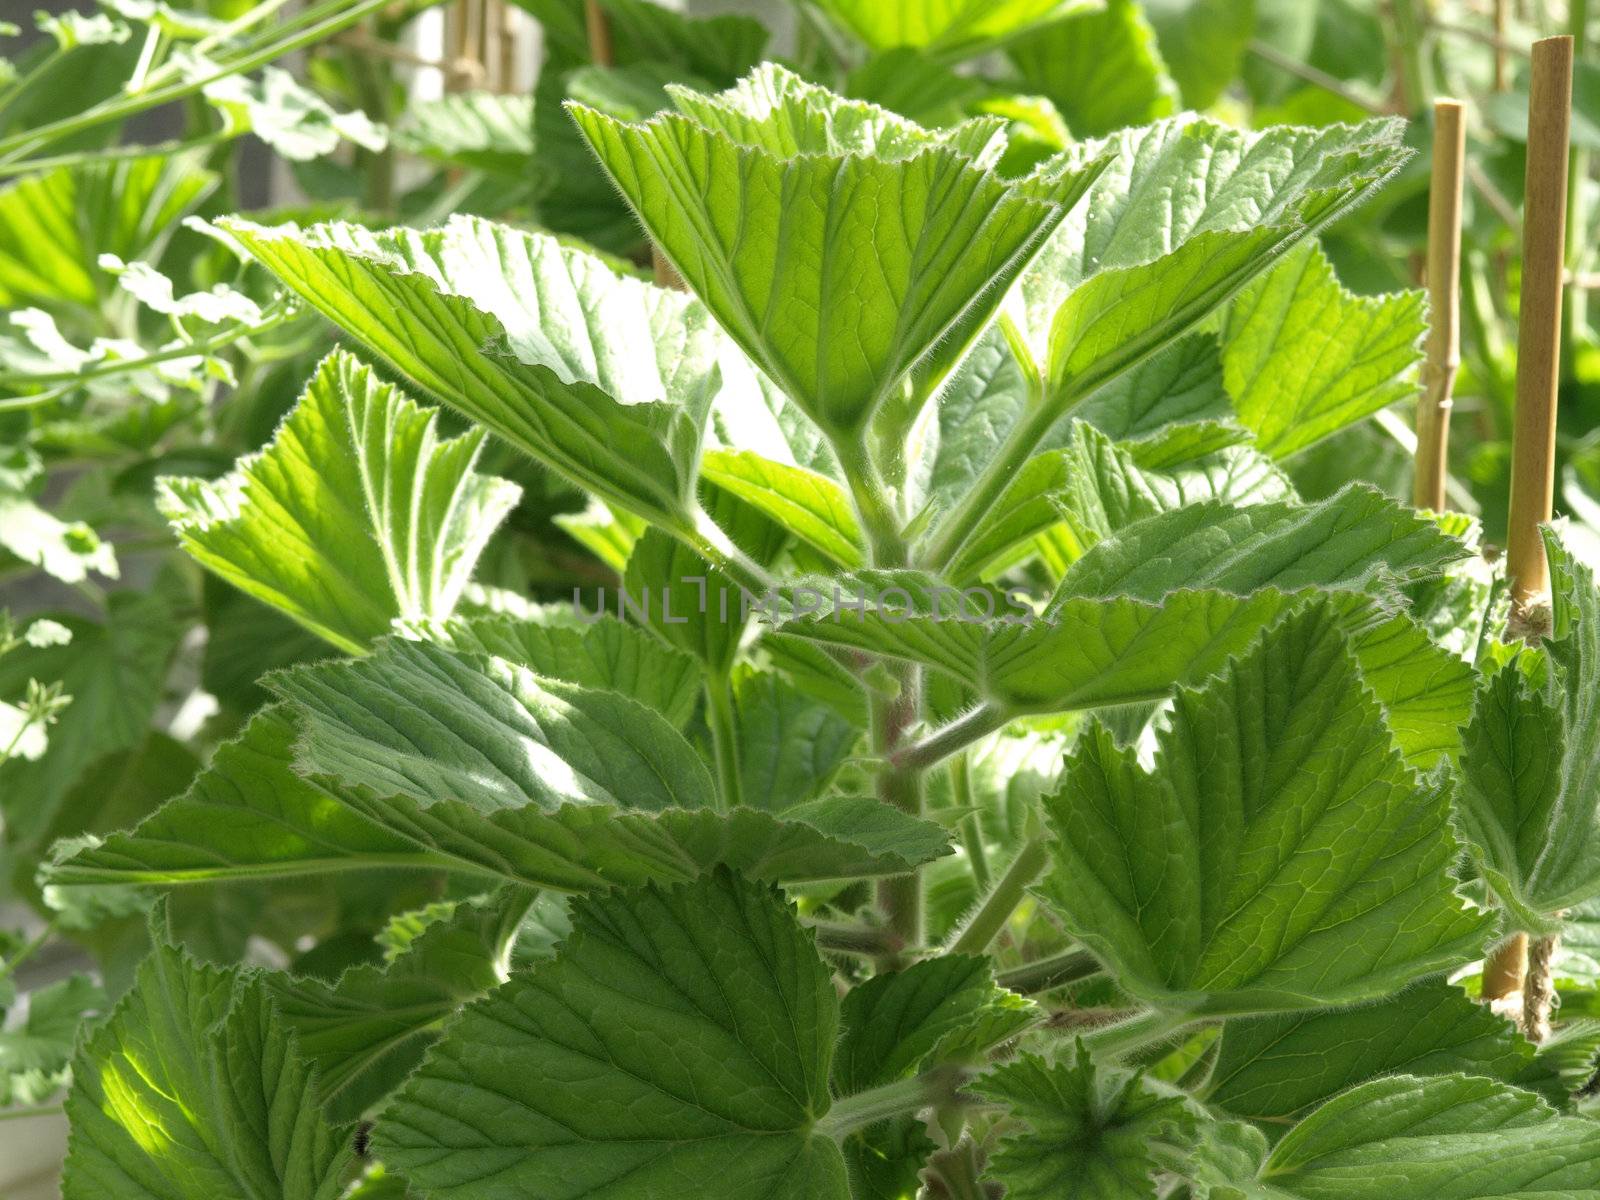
(557, 1083)
(357, 514)
(1280, 856)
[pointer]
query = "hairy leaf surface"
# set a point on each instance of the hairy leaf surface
(556, 1083)
(835, 271)
(357, 514)
(1531, 770)
(1304, 357)
(195, 1089)
(1280, 856)
(603, 378)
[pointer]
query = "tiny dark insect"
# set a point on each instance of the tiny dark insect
(363, 1138)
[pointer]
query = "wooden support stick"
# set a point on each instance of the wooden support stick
(1533, 442)
(599, 28)
(1502, 69)
(1444, 302)
(1539, 330)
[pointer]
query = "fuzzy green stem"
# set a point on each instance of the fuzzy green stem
(871, 940)
(869, 492)
(724, 739)
(707, 539)
(1147, 1028)
(958, 525)
(28, 166)
(997, 908)
(124, 365)
(901, 786)
(897, 1099)
(1047, 974)
(1410, 31)
(971, 824)
(957, 735)
(28, 950)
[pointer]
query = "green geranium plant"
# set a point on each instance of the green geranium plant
(998, 777)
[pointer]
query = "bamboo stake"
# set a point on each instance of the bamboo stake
(1534, 437)
(601, 51)
(1502, 67)
(1444, 301)
(1539, 329)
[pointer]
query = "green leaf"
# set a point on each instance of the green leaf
(809, 505)
(195, 1089)
(601, 377)
(35, 1053)
(1275, 1068)
(556, 1083)
(1356, 539)
(983, 399)
(414, 719)
(356, 514)
(54, 227)
(951, 29)
(688, 603)
(1203, 42)
(605, 654)
(249, 815)
(365, 1032)
(1181, 384)
(720, 47)
(1124, 256)
(1280, 856)
(835, 270)
(485, 131)
(1099, 490)
(1082, 653)
(66, 550)
(115, 673)
(1101, 68)
(252, 815)
(295, 121)
(790, 745)
(1532, 759)
(1359, 540)
(1092, 1130)
(1304, 357)
(937, 1011)
(1405, 1138)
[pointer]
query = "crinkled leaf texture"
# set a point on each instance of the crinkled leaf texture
(1453, 1137)
(1170, 599)
(1278, 1067)
(599, 376)
(1092, 1130)
(1186, 212)
(839, 245)
(936, 1011)
(423, 758)
(367, 1031)
(1531, 767)
(677, 1045)
(357, 514)
(1304, 357)
(195, 1089)
(606, 654)
(1280, 856)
